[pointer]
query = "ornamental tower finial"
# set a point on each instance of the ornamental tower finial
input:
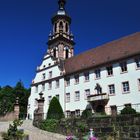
(62, 4)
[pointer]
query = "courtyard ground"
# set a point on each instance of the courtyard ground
(34, 133)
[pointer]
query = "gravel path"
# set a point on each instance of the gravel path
(34, 133)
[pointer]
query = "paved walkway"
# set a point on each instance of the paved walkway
(34, 133)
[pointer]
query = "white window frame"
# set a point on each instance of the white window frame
(125, 87)
(68, 114)
(77, 95)
(67, 97)
(111, 89)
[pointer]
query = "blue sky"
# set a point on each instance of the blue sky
(25, 25)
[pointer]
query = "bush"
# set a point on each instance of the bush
(55, 110)
(128, 110)
(49, 125)
(86, 114)
(13, 133)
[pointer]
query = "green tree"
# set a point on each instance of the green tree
(6, 100)
(55, 110)
(128, 110)
(8, 96)
(86, 114)
(23, 94)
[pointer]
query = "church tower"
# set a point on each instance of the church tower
(60, 43)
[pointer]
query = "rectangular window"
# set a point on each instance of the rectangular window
(86, 76)
(125, 87)
(123, 66)
(43, 87)
(50, 85)
(67, 81)
(49, 99)
(57, 96)
(50, 74)
(43, 76)
(57, 83)
(97, 74)
(137, 60)
(87, 93)
(67, 97)
(68, 114)
(77, 96)
(109, 71)
(111, 89)
(36, 89)
(76, 79)
(77, 113)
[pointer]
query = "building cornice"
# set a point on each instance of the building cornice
(47, 81)
(40, 70)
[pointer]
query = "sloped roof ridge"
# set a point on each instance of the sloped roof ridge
(106, 44)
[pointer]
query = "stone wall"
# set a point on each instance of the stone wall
(8, 117)
(125, 127)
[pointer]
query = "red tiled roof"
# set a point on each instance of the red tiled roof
(109, 52)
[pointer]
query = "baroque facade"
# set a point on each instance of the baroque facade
(104, 78)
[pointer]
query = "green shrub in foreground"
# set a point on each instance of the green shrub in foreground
(86, 114)
(49, 125)
(55, 110)
(128, 110)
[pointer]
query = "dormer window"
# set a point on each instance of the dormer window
(109, 71)
(123, 66)
(86, 74)
(76, 79)
(137, 60)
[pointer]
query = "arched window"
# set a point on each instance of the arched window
(61, 25)
(67, 53)
(66, 27)
(55, 27)
(54, 52)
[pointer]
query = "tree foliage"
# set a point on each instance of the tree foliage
(86, 114)
(55, 110)
(128, 110)
(8, 96)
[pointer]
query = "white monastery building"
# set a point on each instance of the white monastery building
(103, 78)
